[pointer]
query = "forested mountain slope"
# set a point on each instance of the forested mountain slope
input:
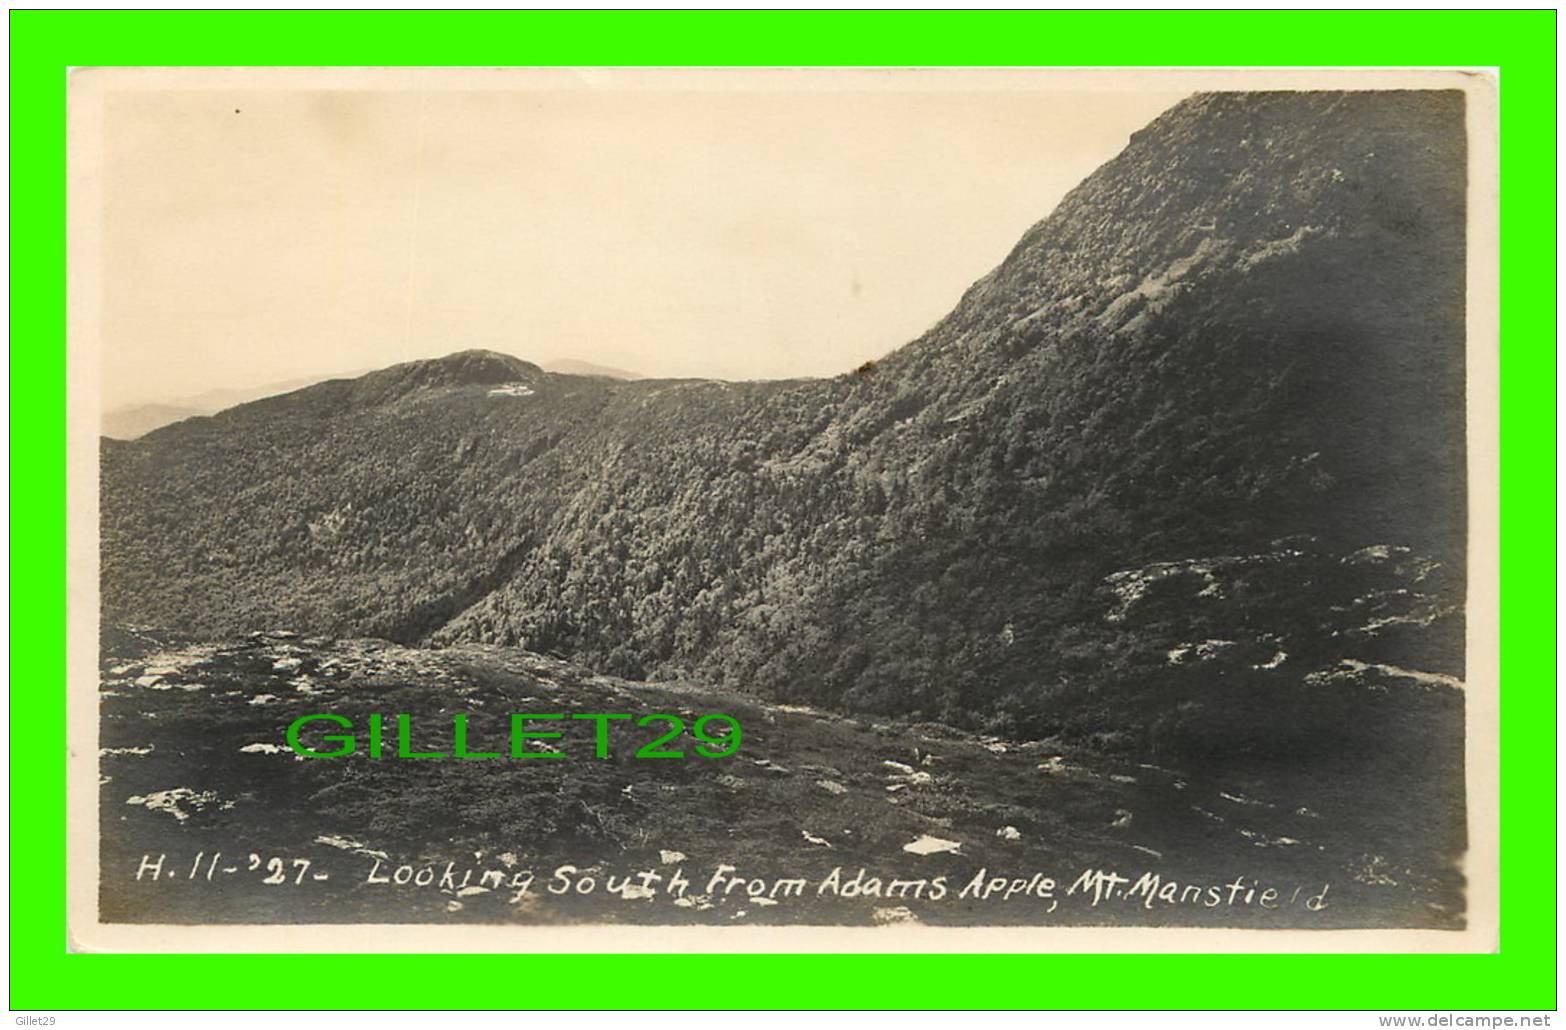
(1214, 401)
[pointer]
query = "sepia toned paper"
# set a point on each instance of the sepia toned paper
(840, 402)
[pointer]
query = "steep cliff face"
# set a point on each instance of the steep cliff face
(1238, 346)
(1262, 295)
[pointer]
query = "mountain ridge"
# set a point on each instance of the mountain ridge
(1242, 335)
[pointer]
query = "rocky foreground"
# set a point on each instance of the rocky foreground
(209, 815)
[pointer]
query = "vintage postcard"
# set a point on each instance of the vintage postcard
(769, 510)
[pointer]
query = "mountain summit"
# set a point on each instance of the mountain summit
(462, 369)
(1197, 439)
(466, 367)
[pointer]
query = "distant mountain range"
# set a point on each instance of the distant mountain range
(587, 368)
(1192, 453)
(129, 421)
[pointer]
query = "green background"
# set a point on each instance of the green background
(1521, 44)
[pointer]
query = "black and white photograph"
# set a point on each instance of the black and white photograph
(895, 509)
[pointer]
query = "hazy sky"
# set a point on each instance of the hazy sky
(781, 229)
